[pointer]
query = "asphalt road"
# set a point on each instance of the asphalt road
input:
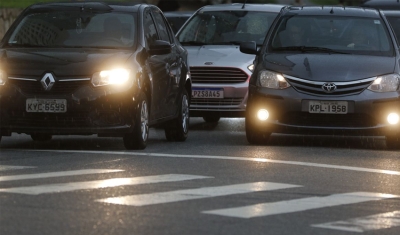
(214, 183)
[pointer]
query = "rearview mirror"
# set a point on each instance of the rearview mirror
(160, 47)
(248, 48)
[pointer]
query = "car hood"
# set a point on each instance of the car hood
(61, 62)
(329, 67)
(218, 55)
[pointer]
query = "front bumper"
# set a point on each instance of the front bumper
(105, 111)
(288, 109)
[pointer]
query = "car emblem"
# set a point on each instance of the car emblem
(329, 87)
(47, 81)
(208, 63)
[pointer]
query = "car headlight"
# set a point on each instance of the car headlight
(272, 80)
(251, 67)
(386, 83)
(111, 77)
(3, 78)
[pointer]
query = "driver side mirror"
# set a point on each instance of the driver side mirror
(160, 47)
(249, 48)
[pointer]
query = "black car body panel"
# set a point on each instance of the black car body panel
(62, 72)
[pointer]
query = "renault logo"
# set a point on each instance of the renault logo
(329, 87)
(47, 81)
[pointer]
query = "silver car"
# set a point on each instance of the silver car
(219, 71)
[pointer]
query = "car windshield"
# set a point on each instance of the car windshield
(75, 29)
(339, 34)
(226, 27)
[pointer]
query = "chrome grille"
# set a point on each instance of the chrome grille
(217, 75)
(34, 87)
(216, 102)
(342, 88)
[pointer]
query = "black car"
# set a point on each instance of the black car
(382, 4)
(325, 71)
(93, 68)
(177, 18)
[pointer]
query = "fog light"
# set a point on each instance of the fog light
(262, 114)
(393, 118)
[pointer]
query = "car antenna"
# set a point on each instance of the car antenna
(244, 4)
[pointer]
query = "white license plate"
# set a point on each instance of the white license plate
(46, 105)
(333, 107)
(210, 93)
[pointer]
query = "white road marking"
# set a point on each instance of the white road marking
(66, 187)
(56, 174)
(198, 193)
(7, 168)
(310, 164)
(364, 224)
(297, 205)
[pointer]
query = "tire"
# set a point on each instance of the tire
(255, 135)
(211, 119)
(41, 137)
(393, 142)
(137, 139)
(179, 128)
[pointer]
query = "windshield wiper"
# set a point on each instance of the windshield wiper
(309, 49)
(193, 43)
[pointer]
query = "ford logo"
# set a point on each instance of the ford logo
(329, 87)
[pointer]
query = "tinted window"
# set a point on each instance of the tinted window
(395, 23)
(161, 26)
(150, 31)
(224, 27)
(347, 34)
(75, 29)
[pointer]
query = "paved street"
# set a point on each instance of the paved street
(214, 183)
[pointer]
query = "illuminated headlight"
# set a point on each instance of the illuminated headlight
(263, 114)
(251, 67)
(111, 77)
(386, 83)
(3, 78)
(272, 80)
(393, 118)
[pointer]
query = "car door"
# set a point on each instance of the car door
(171, 64)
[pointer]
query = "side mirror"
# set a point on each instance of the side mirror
(249, 48)
(160, 47)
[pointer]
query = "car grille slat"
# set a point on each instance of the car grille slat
(216, 102)
(217, 75)
(328, 120)
(342, 89)
(35, 88)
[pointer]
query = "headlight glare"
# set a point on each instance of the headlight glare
(386, 83)
(111, 77)
(272, 80)
(3, 78)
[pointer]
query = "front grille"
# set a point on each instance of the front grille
(328, 120)
(216, 102)
(35, 87)
(342, 88)
(217, 75)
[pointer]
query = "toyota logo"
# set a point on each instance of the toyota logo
(329, 87)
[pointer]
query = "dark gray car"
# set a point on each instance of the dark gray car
(325, 70)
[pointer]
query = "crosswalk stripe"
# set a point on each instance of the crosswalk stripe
(7, 168)
(66, 187)
(297, 205)
(56, 174)
(364, 224)
(198, 193)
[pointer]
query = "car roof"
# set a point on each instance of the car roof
(178, 13)
(239, 6)
(382, 4)
(131, 6)
(390, 12)
(332, 10)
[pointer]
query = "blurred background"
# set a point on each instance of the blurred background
(10, 9)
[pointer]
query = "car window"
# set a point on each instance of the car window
(150, 31)
(224, 27)
(395, 23)
(75, 29)
(347, 34)
(161, 26)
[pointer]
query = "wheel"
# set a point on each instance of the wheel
(179, 128)
(254, 134)
(41, 137)
(211, 119)
(393, 142)
(137, 139)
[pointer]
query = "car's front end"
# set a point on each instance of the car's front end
(330, 89)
